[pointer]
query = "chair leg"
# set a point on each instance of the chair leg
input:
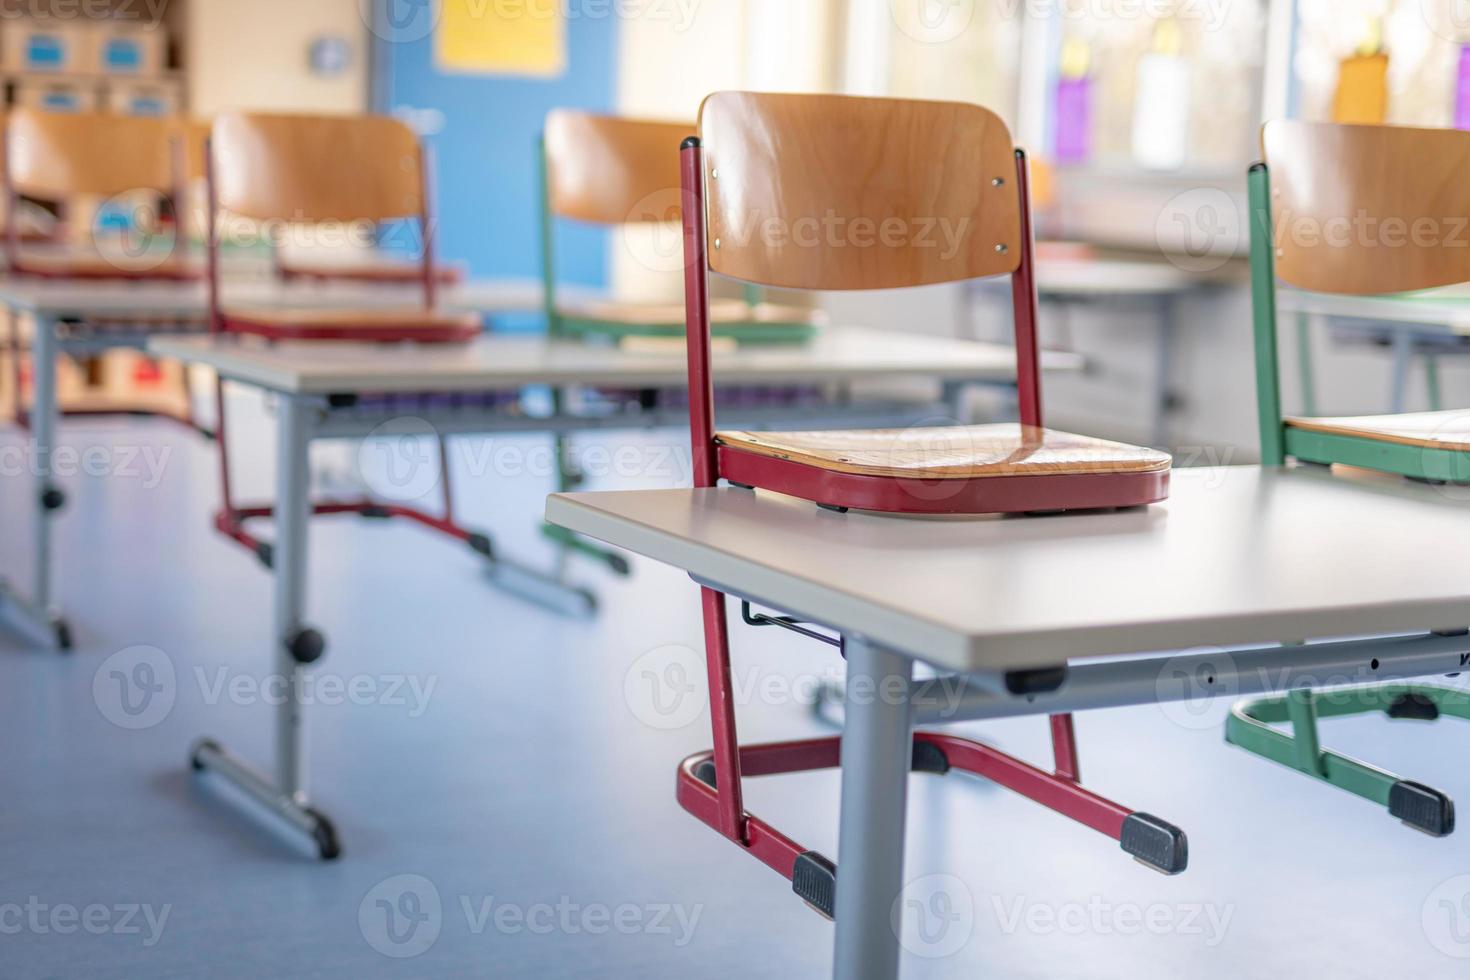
(1418, 806)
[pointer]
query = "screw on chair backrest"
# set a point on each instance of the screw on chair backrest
(1368, 209)
(829, 192)
(314, 170)
(610, 171)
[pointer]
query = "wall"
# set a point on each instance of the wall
(483, 129)
(255, 55)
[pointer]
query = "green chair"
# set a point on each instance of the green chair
(613, 173)
(1358, 210)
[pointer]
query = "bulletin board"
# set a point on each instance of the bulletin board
(501, 37)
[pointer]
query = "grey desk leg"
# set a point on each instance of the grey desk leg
(36, 616)
(1164, 401)
(295, 646)
(1403, 363)
(877, 750)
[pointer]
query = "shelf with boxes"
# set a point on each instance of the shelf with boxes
(85, 65)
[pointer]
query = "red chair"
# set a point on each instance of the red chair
(57, 158)
(320, 170)
(841, 193)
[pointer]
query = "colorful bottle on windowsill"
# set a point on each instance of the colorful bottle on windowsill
(1362, 81)
(1161, 102)
(1073, 137)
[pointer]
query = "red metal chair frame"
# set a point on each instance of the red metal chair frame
(230, 519)
(709, 783)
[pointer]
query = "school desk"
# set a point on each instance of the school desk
(335, 390)
(73, 319)
(1254, 559)
(1427, 324)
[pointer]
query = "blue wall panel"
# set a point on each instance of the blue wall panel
(485, 143)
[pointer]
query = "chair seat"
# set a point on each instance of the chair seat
(379, 271)
(727, 312)
(1425, 430)
(376, 325)
(959, 452)
(73, 265)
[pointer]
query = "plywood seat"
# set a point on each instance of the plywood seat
(374, 325)
(1425, 430)
(64, 265)
(377, 271)
(959, 452)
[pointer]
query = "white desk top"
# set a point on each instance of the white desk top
(1237, 555)
(836, 354)
(1112, 277)
(1448, 309)
(63, 299)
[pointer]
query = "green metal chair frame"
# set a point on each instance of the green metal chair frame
(1418, 806)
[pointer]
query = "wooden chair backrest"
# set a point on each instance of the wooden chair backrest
(1368, 209)
(839, 192)
(54, 155)
(611, 171)
(312, 169)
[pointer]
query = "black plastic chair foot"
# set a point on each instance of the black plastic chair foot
(814, 880)
(1155, 843)
(1422, 808)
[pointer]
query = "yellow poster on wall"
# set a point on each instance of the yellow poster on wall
(502, 37)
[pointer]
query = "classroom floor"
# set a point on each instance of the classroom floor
(515, 764)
